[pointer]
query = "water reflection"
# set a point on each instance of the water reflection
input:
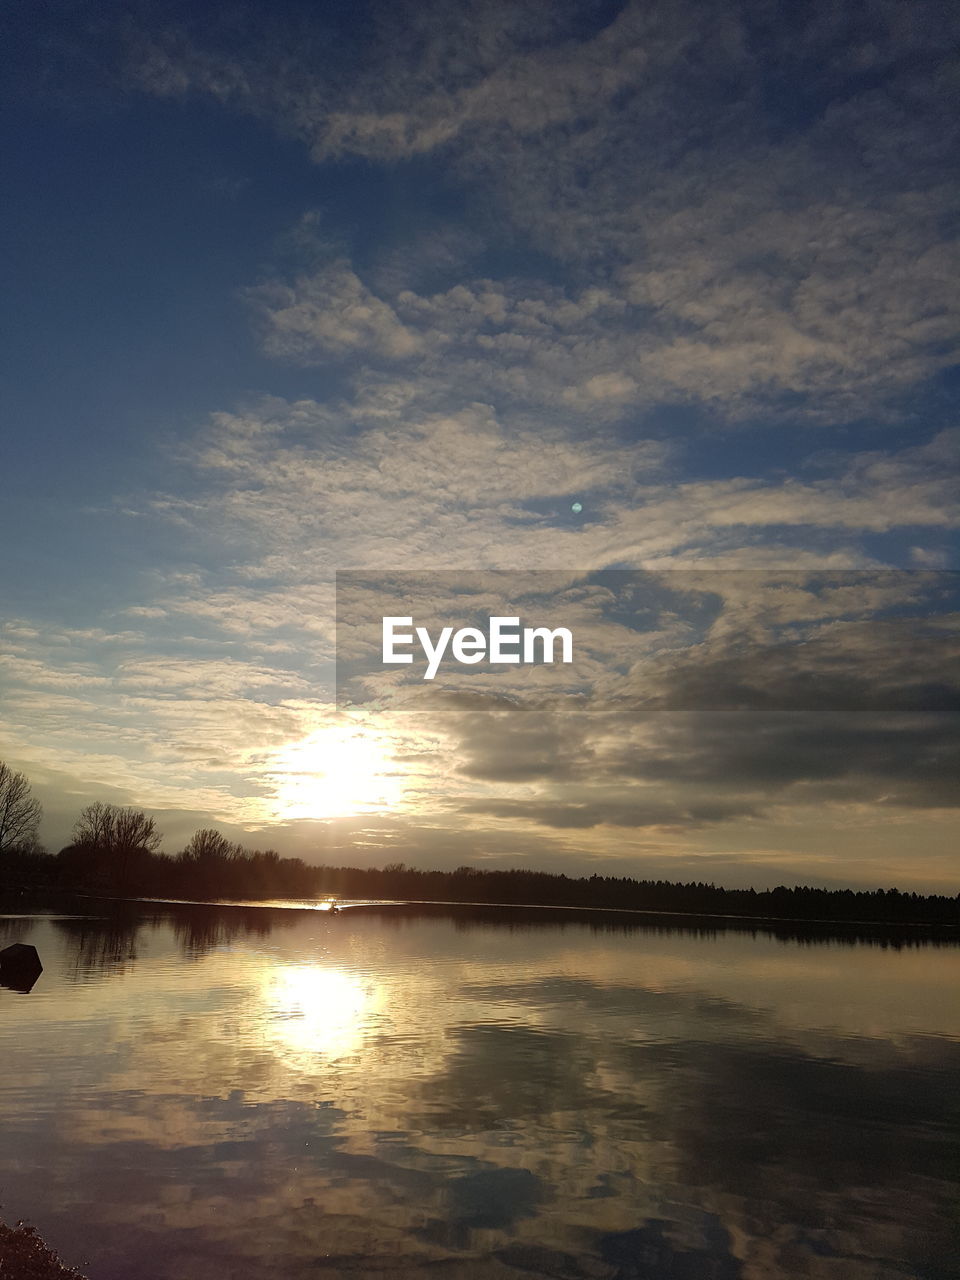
(108, 944)
(253, 1094)
(199, 929)
(315, 1009)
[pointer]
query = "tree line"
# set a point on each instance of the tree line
(549, 889)
(116, 851)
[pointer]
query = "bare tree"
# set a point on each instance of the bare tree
(133, 831)
(93, 826)
(20, 812)
(111, 829)
(208, 845)
(118, 843)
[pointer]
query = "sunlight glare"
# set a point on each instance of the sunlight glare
(315, 1010)
(335, 773)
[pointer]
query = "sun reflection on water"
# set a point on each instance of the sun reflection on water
(314, 1009)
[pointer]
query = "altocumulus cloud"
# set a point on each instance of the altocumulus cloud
(664, 286)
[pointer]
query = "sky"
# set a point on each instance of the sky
(431, 288)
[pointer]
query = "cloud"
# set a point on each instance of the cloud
(742, 325)
(379, 481)
(619, 220)
(436, 79)
(803, 260)
(329, 314)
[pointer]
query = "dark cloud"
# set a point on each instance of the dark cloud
(618, 812)
(903, 759)
(906, 665)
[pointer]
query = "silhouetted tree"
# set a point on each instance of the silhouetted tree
(116, 843)
(20, 812)
(208, 845)
(110, 827)
(205, 863)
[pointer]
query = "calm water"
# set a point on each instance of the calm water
(252, 1094)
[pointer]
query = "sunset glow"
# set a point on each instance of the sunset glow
(326, 313)
(480, 639)
(334, 773)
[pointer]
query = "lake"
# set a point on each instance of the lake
(193, 1094)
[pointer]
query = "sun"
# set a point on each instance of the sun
(334, 773)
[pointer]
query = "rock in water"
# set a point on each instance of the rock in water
(20, 966)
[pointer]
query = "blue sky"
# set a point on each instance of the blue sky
(298, 288)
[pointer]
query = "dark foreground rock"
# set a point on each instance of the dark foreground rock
(20, 966)
(24, 1256)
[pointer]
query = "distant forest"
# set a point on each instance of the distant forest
(212, 868)
(116, 851)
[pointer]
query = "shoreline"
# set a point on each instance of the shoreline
(532, 913)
